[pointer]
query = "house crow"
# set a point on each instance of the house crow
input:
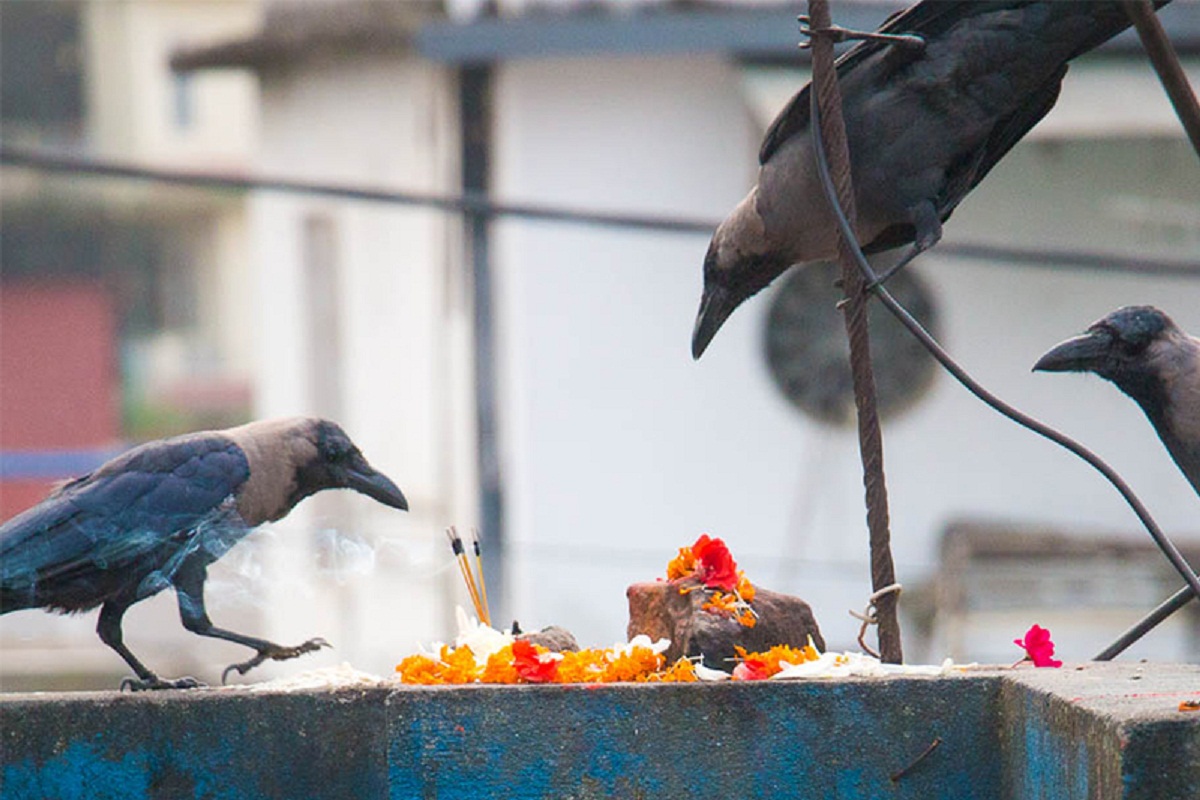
(1153, 361)
(159, 514)
(924, 125)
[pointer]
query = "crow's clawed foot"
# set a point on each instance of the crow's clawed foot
(155, 683)
(275, 653)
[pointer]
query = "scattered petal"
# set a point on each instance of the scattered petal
(709, 674)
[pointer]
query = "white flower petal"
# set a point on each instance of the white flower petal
(707, 674)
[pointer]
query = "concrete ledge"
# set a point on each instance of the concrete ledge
(1097, 732)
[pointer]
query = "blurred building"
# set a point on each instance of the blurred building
(121, 314)
(533, 376)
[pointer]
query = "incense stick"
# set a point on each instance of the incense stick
(460, 555)
(487, 611)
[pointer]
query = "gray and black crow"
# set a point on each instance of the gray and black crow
(1149, 358)
(924, 126)
(159, 514)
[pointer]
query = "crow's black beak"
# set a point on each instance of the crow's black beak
(1083, 353)
(715, 307)
(362, 477)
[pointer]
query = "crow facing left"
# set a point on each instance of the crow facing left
(1153, 361)
(158, 515)
(924, 126)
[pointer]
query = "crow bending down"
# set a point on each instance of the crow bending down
(159, 514)
(924, 126)
(1149, 358)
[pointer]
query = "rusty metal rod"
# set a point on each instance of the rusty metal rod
(870, 437)
(1166, 63)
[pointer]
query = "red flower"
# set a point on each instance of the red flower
(1038, 647)
(752, 668)
(715, 565)
(532, 665)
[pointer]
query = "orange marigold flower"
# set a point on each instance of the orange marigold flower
(759, 666)
(451, 666)
(682, 565)
(582, 666)
(419, 669)
(633, 665)
(810, 651)
(682, 671)
(720, 602)
(459, 665)
(499, 667)
(745, 589)
(748, 619)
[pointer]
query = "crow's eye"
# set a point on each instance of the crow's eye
(337, 451)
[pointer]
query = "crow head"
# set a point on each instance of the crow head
(339, 464)
(735, 269)
(1128, 343)
(1155, 363)
(291, 459)
(1141, 350)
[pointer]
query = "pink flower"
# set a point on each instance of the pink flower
(1038, 647)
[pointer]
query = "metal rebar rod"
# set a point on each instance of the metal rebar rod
(1166, 63)
(870, 436)
(1165, 609)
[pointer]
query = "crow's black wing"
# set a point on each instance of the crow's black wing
(115, 522)
(966, 174)
(924, 19)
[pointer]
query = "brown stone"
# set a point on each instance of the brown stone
(660, 611)
(554, 638)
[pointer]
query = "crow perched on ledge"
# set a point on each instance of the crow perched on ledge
(159, 514)
(924, 126)
(1149, 358)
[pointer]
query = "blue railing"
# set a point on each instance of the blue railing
(40, 465)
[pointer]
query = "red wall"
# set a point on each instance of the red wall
(59, 384)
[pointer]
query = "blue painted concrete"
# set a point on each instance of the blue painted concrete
(734, 740)
(1024, 734)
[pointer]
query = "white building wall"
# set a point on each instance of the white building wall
(618, 448)
(133, 96)
(368, 578)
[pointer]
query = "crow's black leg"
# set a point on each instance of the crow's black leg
(109, 629)
(189, 589)
(928, 232)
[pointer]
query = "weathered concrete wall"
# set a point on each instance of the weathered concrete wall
(1102, 732)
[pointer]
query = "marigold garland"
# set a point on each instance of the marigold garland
(524, 662)
(760, 666)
